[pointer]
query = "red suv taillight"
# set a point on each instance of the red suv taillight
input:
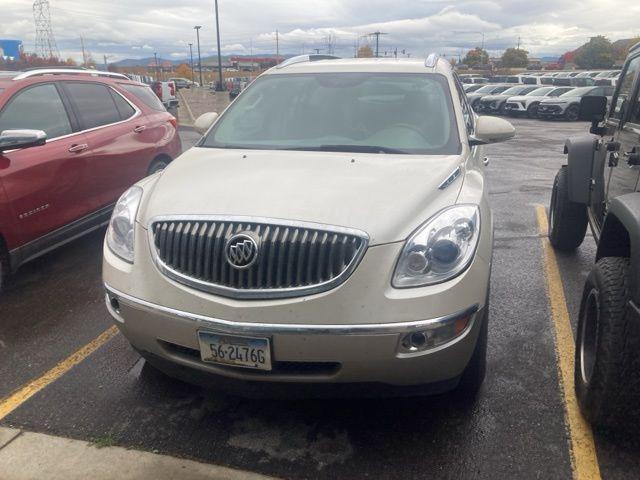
(172, 89)
(157, 88)
(174, 121)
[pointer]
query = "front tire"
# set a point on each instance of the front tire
(572, 113)
(607, 363)
(567, 220)
(473, 375)
(157, 165)
(532, 111)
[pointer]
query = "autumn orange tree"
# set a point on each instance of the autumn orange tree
(183, 70)
(365, 51)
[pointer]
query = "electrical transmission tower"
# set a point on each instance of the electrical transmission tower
(45, 42)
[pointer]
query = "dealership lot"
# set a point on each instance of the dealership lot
(515, 429)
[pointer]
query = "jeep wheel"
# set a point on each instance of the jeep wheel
(607, 374)
(572, 113)
(474, 373)
(567, 219)
(503, 109)
(532, 111)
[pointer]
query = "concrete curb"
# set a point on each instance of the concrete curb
(27, 455)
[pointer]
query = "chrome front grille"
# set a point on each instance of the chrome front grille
(293, 258)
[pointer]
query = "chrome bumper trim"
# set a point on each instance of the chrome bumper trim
(229, 326)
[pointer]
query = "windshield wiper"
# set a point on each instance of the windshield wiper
(351, 148)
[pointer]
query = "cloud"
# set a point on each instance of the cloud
(136, 29)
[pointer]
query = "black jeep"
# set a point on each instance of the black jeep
(599, 186)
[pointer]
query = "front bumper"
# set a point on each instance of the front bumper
(489, 107)
(350, 334)
(514, 107)
(551, 111)
(301, 353)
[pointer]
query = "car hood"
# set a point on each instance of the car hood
(491, 98)
(525, 98)
(560, 101)
(386, 196)
(475, 96)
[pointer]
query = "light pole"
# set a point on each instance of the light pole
(219, 57)
(197, 29)
(155, 57)
(191, 55)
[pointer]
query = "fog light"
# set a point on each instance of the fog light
(433, 335)
(115, 304)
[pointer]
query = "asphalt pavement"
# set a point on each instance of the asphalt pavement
(515, 429)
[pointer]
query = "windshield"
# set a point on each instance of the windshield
(577, 92)
(350, 112)
(486, 89)
(539, 92)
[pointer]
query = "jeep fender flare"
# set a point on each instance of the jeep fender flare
(580, 151)
(620, 236)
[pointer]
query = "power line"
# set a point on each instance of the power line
(46, 46)
(377, 35)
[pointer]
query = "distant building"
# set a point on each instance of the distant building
(10, 49)
(244, 63)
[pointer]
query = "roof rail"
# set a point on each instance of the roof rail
(431, 60)
(306, 58)
(67, 71)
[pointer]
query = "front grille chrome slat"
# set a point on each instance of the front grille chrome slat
(294, 258)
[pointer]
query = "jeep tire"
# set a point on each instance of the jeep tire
(607, 363)
(567, 220)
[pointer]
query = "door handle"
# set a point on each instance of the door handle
(140, 128)
(78, 147)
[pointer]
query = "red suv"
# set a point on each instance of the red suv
(71, 141)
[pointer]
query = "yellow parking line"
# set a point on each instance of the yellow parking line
(17, 398)
(584, 460)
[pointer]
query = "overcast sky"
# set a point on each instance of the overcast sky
(137, 28)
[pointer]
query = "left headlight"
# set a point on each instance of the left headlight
(121, 231)
(441, 249)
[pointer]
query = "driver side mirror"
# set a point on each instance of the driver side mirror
(14, 139)
(593, 108)
(491, 130)
(204, 122)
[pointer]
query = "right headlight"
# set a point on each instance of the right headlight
(121, 231)
(440, 249)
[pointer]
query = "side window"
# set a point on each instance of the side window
(144, 94)
(466, 110)
(94, 104)
(124, 108)
(635, 109)
(37, 108)
(625, 83)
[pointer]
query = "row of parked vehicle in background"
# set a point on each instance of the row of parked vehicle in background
(532, 100)
(167, 91)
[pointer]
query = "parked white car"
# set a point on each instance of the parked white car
(332, 226)
(528, 104)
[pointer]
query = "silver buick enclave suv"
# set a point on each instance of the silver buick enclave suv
(330, 227)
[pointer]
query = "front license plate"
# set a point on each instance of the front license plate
(247, 352)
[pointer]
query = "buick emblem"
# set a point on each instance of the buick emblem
(241, 251)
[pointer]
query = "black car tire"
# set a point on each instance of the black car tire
(473, 375)
(572, 113)
(567, 220)
(157, 165)
(607, 364)
(503, 109)
(4, 266)
(532, 111)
